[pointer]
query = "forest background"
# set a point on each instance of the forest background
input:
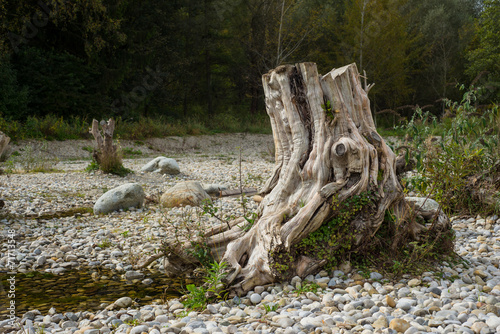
(196, 65)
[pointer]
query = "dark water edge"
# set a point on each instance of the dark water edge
(83, 290)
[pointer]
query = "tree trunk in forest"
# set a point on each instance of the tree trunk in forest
(327, 149)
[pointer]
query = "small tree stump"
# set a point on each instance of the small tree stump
(106, 153)
(4, 142)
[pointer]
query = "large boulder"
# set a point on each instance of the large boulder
(162, 165)
(184, 193)
(122, 197)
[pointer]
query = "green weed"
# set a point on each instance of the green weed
(197, 298)
(458, 159)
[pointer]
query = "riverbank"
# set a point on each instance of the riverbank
(56, 233)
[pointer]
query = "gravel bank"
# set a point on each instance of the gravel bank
(454, 299)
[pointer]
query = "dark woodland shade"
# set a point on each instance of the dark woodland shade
(200, 59)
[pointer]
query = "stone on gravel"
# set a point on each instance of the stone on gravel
(123, 302)
(132, 275)
(139, 329)
(162, 165)
(255, 298)
(213, 189)
(120, 198)
(399, 325)
(183, 194)
(425, 203)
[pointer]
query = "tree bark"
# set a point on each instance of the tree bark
(105, 152)
(4, 142)
(327, 148)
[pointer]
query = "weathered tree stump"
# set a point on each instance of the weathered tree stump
(106, 153)
(327, 148)
(4, 142)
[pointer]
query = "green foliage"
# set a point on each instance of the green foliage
(13, 98)
(334, 239)
(393, 253)
(105, 243)
(197, 298)
(129, 151)
(201, 252)
(270, 307)
(119, 170)
(468, 148)
(92, 167)
(201, 62)
(307, 287)
(485, 55)
(327, 107)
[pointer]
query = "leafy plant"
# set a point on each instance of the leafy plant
(197, 298)
(105, 243)
(92, 167)
(307, 287)
(464, 158)
(335, 237)
(270, 307)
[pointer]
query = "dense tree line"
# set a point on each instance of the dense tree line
(205, 58)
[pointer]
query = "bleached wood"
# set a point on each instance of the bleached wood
(105, 149)
(4, 142)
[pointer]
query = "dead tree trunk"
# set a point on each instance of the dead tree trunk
(4, 142)
(106, 153)
(327, 147)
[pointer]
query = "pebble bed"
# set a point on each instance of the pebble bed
(453, 299)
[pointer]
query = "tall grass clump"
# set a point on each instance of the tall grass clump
(458, 161)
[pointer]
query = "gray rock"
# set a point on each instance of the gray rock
(116, 253)
(122, 197)
(435, 290)
(161, 318)
(212, 309)
(91, 331)
(404, 305)
(466, 279)
(213, 189)
(285, 322)
(139, 329)
(255, 298)
(66, 248)
(69, 324)
(493, 322)
(426, 204)
(184, 193)
(196, 324)
(123, 302)
(162, 165)
(376, 276)
(131, 275)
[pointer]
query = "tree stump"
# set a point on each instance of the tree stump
(4, 142)
(327, 150)
(106, 153)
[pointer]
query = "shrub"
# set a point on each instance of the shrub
(463, 162)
